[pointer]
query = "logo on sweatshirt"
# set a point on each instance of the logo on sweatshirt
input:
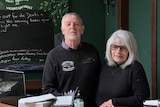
(68, 66)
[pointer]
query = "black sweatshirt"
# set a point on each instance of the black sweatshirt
(126, 87)
(65, 69)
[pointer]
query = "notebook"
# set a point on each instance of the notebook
(12, 83)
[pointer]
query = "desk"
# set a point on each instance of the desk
(5, 105)
(11, 100)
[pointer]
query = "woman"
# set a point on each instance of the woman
(122, 80)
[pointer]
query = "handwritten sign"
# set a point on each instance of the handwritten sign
(19, 4)
(10, 19)
(25, 39)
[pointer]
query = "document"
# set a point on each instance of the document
(63, 101)
(155, 103)
(46, 100)
(42, 100)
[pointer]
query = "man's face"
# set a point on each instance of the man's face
(72, 28)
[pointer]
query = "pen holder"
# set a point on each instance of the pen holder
(78, 103)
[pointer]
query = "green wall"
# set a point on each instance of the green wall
(111, 20)
(140, 25)
(93, 15)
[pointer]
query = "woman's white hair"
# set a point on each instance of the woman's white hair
(129, 41)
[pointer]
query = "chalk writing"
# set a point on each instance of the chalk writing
(26, 37)
(14, 19)
(21, 55)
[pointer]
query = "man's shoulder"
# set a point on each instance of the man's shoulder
(85, 44)
(56, 49)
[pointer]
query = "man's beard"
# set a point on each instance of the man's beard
(72, 38)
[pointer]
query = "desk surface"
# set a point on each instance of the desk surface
(11, 100)
(5, 105)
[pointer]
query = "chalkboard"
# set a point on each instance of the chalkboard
(26, 36)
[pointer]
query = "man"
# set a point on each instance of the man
(73, 63)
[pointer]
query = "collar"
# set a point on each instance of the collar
(65, 46)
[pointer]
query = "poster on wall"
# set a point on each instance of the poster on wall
(26, 37)
(19, 4)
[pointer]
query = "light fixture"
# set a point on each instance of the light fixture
(108, 3)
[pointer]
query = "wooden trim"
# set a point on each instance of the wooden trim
(33, 84)
(123, 14)
(154, 49)
(5, 105)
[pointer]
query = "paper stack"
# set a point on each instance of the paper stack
(63, 101)
(37, 101)
(151, 103)
(46, 100)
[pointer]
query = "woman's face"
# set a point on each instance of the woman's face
(119, 52)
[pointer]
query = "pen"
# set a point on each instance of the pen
(75, 91)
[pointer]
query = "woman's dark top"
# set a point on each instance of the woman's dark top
(126, 87)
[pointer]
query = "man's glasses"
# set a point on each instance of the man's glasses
(122, 48)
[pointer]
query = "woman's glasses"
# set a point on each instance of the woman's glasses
(122, 48)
